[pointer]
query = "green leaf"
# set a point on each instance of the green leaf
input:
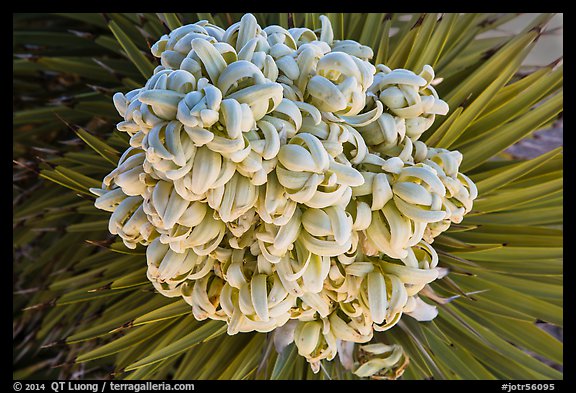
(472, 111)
(46, 114)
(435, 46)
(172, 20)
(77, 279)
(484, 322)
(496, 354)
(45, 38)
(541, 290)
(516, 235)
(206, 16)
(82, 67)
(145, 67)
(98, 259)
(457, 359)
(337, 21)
(500, 178)
(87, 158)
(109, 43)
(132, 279)
(284, 363)
(494, 308)
(513, 253)
(138, 306)
(370, 25)
(78, 178)
(207, 329)
(130, 23)
(476, 154)
(449, 242)
(89, 18)
(522, 267)
(462, 34)
(384, 45)
(172, 310)
(98, 225)
(421, 42)
(418, 362)
(515, 102)
(510, 92)
(517, 229)
(246, 360)
(508, 199)
(120, 248)
(534, 179)
(133, 337)
(283, 19)
(528, 336)
(83, 295)
(537, 216)
(311, 20)
(511, 239)
(100, 108)
(193, 361)
(404, 24)
(524, 303)
(59, 178)
(436, 369)
(400, 54)
(182, 326)
(144, 373)
(479, 80)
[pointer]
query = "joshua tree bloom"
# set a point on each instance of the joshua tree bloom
(278, 181)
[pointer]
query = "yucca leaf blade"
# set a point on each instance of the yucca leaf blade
(208, 329)
(134, 337)
(132, 51)
(474, 155)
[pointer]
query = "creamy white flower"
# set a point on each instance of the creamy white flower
(181, 223)
(386, 133)
(420, 310)
(130, 223)
(327, 231)
(302, 35)
(275, 241)
(258, 302)
(129, 175)
(233, 199)
(209, 171)
(409, 96)
(303, 273)
(381, 361)
(351, 322)
(460, 190)
(315, 341)
(174, 47)
(168, 270)
(204, 295)
(353, 48)
(311, 176)
(277, 180)
(340, 83)
(273, 204)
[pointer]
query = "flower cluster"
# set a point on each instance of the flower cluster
(277, 180)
